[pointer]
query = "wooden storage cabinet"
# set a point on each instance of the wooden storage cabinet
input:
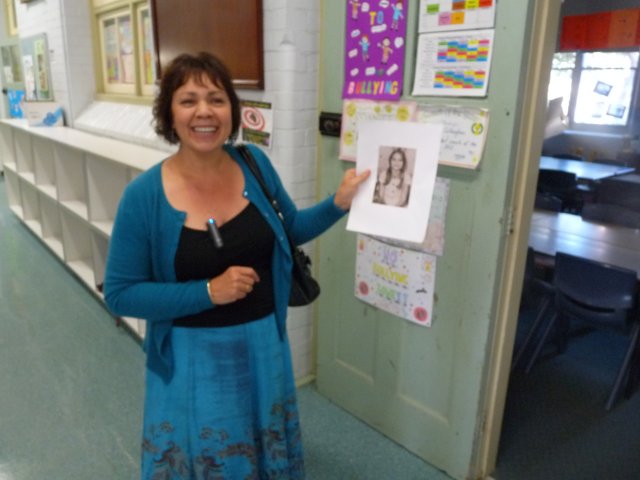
(76, 243)
(13, 190)
(103, 196)
(6, 149)
(31, 208)
(65, 186)
(70, 179)
(51, 225)
(43, 167)
(23, 156)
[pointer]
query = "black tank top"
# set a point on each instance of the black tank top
(248, 241)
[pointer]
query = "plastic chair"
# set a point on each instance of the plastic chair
(539, 294)
(563, 185)
(556, 181)
(601, 296)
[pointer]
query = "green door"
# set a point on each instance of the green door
(427, 388)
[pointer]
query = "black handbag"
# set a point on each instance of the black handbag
(304, 288)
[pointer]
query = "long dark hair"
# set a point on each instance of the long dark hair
(179, 71)
(402, 170)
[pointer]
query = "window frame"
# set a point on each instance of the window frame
(139, 91)
(147, 89)
(11, 18)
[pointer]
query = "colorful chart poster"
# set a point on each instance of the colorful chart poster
(375, 43)
(454, 64)
(395, 200)
(396, 280)
(464, 134)
(256, 122)
(356, 111)
(442, 15)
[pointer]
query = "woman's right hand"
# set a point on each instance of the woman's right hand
(235, 283)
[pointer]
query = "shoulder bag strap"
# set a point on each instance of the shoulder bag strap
(255, 170)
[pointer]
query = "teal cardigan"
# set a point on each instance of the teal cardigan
(140, 279)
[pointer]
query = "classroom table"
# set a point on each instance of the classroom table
(551, 232)
(589, 171)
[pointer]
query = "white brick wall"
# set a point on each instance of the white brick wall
(291, 39)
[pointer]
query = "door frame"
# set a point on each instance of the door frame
(543, 34)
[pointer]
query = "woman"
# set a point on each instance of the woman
(394, 183)
(220, 395)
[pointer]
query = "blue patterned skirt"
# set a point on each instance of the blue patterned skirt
(229, 411)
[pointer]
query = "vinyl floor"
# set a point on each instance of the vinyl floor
(71, 385)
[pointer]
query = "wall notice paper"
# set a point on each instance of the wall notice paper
(455, 63)
(44, 114)
(355, 111)
(464, 134)
(396, 280)
(374, 49)
(395, 200)
(441, 15)
(434, 238)
(256, 122)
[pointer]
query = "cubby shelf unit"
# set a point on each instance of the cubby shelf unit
(65, 186)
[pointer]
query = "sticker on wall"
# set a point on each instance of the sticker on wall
(374, 49)
(396, 280)
(256, 122)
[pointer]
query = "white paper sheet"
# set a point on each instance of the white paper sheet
(388, 216)
(464, 134)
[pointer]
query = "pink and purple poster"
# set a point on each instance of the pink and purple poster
(374, 49)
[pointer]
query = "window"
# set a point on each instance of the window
(127, 61)
(598, 88)
(146, 57)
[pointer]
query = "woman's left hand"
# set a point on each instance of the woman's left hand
(349, 187)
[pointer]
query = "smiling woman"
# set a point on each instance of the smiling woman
(220, 393)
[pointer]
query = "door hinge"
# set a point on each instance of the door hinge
(508, 222)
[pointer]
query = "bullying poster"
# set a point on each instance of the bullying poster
(375, 44)
(396, 280)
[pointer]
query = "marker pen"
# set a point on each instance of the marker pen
(214, 232)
